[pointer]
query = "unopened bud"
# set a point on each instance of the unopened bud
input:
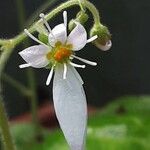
(103, 41)
(81, 17)
(43, 38)
(43, 33)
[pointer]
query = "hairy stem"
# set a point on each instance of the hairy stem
(71, 3)
(18, 39)
(8, 142)
(54, 12)
(3, 60)
(20, 13)
(22, 36)
(81, 6)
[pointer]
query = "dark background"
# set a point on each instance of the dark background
(124, 70)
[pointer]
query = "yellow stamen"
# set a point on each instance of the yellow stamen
(69, 46)
(58, 44)
(48, 55)
(62, 54)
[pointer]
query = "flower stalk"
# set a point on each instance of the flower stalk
(8, 142)
(18, 39)
(7, 46)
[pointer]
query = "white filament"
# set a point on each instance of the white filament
(65, 18)
(92, 39)
(65, 71)
(76, 65)
(50, 76)
(85, 61)
(34, 38)
(24, 66)
(46, 23)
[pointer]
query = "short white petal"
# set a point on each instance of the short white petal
(104, 47)
(65, 18)
(71, 107)
(24, 66)
(93, 38)
(59, 33)
(35, 56)
(77, 37)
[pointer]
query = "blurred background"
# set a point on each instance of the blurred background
(122, 72)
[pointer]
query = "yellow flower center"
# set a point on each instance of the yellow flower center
(60, 53)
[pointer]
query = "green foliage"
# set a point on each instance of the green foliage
(122, 125)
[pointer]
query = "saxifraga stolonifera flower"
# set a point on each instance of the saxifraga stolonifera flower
(68, 93)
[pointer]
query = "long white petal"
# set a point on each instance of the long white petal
(70, 106)
(59, 34)
(35, 56)
(77, 75)
(77, 37)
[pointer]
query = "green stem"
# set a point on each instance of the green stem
(1, 42)
(22, 36)
(81, 6)
(20, 13)
(21, 88)
(71, 3)
(54, 12)
(34, 105)
(18, 39)
(8, 143)
(3, 60)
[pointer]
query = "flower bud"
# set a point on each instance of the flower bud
(81, 17)
(42, 33)
(43, 38)
(103, 41)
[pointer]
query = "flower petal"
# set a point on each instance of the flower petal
(77, 75)
(104, 47)
(35, 56)
(70, 106)
(77, 37)
(59, 33)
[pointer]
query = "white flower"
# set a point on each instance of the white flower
(68, 94)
